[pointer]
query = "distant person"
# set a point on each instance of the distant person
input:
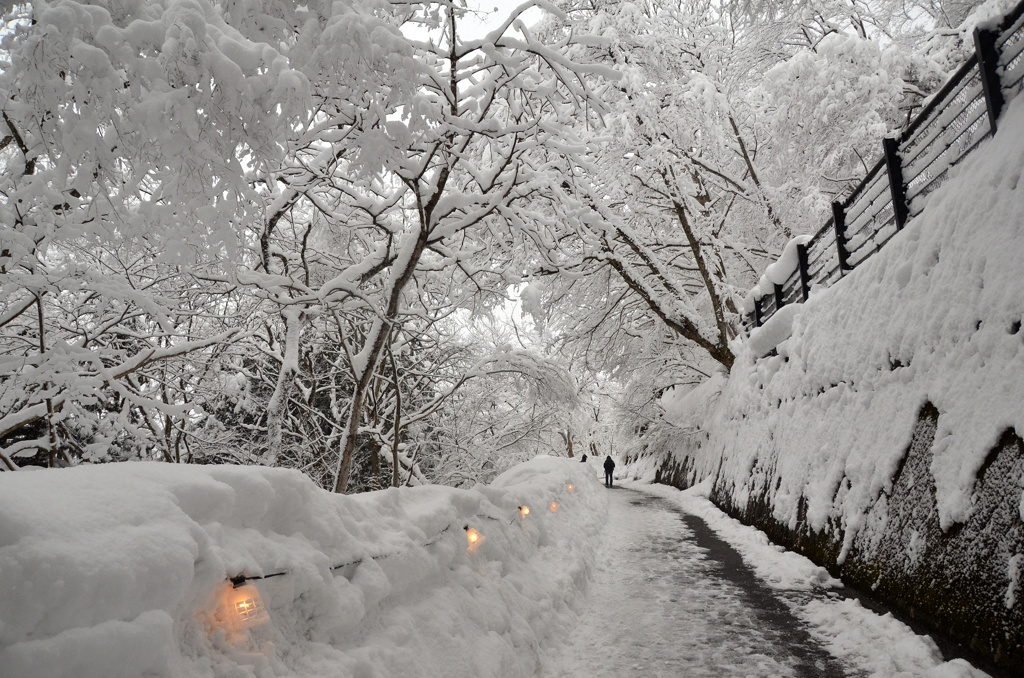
(609, 466)
(583, 459)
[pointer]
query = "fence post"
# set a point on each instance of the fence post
(757, 311)
(779, 300)
(898, 190)
(805, 283)
(839, 223)
(988, 62)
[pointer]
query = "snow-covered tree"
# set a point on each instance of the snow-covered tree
(734, 126)
(126, 135)
(677, 216)
(239, 231)
(306, 180)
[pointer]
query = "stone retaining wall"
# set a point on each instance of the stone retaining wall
(958, 584)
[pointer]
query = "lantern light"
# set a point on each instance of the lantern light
(525, 510)
(554, 507)
(474, 537)
(571, 488)
(246, 606)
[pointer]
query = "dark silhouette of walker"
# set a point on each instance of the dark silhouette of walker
(609, 466)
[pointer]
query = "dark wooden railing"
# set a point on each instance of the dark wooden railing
(956, 120)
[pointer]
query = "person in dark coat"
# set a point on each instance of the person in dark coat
(609, 466)
(583, 459)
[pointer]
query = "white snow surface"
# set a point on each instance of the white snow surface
(689, 408)
(777, 273)
(874, 645)
(934, 317)
(117, 570)
(774, 331)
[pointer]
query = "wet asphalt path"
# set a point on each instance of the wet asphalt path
(669, 598)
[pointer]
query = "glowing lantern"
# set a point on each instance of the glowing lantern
(524, 510)
(245, 606)
(474, 537)
(554, 507)
(571, 488)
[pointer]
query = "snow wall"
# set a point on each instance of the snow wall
(121, 570)
(877, 427)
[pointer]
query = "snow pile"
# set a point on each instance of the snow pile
(773, 332)
(691, 408)
(935, 317)
(119, 570)
(776, 274)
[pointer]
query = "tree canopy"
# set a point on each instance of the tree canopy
(280, 233)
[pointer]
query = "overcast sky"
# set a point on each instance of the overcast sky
(493, 12)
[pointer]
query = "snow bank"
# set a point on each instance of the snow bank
(934, 317)
(119, 570)
(691, 408)
(773, 332)
(882, 438)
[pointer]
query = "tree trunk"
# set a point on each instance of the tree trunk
(371, 355)
(278, 404)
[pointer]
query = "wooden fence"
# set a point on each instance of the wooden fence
(958, 118)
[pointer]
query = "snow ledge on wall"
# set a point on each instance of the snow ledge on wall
(934, 317)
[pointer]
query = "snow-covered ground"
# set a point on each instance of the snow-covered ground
(662, 605)
(122, 570)
(866, 642)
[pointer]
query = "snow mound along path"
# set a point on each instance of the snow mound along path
(121, 570)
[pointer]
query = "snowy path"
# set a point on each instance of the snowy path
(669, 598)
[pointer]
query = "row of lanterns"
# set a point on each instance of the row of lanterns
(244, 609)
(475, 538)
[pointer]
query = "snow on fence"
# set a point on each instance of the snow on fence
(958, 118)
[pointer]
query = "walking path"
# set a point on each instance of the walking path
(670, 598)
